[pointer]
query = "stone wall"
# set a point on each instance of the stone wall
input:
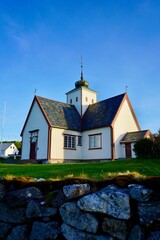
(79, 211)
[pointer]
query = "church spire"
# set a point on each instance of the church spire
(81, 69)
(81, 82)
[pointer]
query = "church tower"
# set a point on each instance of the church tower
(81, 96)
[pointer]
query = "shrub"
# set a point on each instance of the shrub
(144, 148)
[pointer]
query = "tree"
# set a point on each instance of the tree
(144, 148)
(18, 145)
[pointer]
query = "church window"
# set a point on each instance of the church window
(95, 141)
(70, 101)
(79, 140)
(69, 141)
(76, 99)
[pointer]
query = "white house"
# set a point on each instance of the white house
(8, 149)
(81, 129)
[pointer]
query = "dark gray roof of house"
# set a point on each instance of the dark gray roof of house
(60, 114)
(101, 113)
(64, 115)
(134, 136)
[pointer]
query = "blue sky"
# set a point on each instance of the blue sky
(41, 43)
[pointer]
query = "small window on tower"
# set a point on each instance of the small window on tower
(76, 99)
(86, 99)
(92, 100)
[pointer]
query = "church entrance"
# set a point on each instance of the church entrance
(128, 150)
(33, 144)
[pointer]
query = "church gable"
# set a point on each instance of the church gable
(61, 115)
(101, 114)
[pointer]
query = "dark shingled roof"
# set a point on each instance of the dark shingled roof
(102, 113)
(134, 136)
(66, 116)
(60, 114)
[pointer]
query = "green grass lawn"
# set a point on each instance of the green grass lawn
(98, 170)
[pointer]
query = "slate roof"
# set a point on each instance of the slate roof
(60, 114)
(134, 136)
(66, 116)
(101, 113)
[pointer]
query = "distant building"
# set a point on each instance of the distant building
(81, 129)
(8, 149)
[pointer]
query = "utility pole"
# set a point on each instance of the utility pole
(3, 122)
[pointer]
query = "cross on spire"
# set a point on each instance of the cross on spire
(81, 69)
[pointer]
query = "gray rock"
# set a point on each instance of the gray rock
(76, 190)
(34, 209)
(58, 198)
(115, 227)
(110, 200)
(118, 202)
(137, 233)
(139, 192)
(154, 236)
(92, 203)
(10, 215)
(73, 216)
(4, 230)
(71, 233)
(44, 231)
(21, 197)
(149, 212)
(1, 191)
(19, 232)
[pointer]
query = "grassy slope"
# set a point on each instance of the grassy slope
(84, 170)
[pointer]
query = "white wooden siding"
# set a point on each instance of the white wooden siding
(125, 122)
(58, 153)
(104, 152)
(82, 94)
(35, 121)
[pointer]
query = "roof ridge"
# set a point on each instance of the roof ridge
(52, 100)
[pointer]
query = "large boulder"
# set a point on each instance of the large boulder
(73, 216)
(115, 227)
(19, 232)
(76, 190)
(149, 212)
(12, 215)
(21, 197)
(35, 209)
(58, 198)
(4, 230)
(154, 235)
(44, 231)
(110, 200)
(137, 233)
(71, 233)
(140, 193)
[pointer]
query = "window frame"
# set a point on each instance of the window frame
(79, 141)
(95, 143)
(69, 142)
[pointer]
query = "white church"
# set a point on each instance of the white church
(82, 129)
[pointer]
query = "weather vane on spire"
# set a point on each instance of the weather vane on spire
(35, 91)
(81, 69)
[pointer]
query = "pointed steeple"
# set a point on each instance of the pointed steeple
(81, 69)
(81, 82)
